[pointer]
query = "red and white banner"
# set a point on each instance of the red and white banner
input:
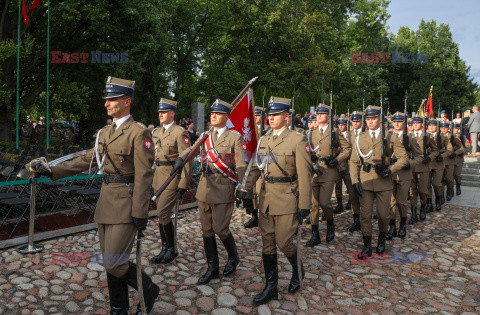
(242, 119)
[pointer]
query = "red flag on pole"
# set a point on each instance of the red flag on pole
(35, 4)
(430, 103)
(242, 119)
(24, 12)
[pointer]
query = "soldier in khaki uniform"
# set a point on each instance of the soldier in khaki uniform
(68, 137)
(421, 171)
(466, 147)
(27, 133)
(326, 156)
(283, 157)
(342, 126)
(169, 141)
(402, 178)
(372, 180)
(450, 160)
(437, 165)
(124, 151)
(54, 135)
(289, 123)
(223, 166)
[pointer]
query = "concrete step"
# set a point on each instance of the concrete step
(471, 165)
(471, 171)
(472, 159)
(468, 177)
(469, 183)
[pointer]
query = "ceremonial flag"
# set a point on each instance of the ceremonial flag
(35, 4)
(24, 12)
(242, 119)
(430, 103)
(420, 110)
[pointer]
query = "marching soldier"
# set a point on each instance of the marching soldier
(258, 120)
(402, 178)
(169, 141)
(283, 157)
(326, 156)
(466, 146)
(372, 179)
(221, 154)
(421, 171)
(342, 126)
(40, 134)
(27, 132)
(444, 148)
(124, 151)
(450, 160)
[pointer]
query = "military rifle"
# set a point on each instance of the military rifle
(451, 126)
(331, 127)
(292, 114)
(364, 122)
(405, 124)
(262, 123)
(382, 132)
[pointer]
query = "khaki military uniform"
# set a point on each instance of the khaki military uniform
(130, 149)
(39, 136)
(280, 198)
(215, 192)
(450, 162)
(374, 186)
(68, 138)
(420, 171)
(323, 185)
(168, 145)
(402, 179)
(437, 168)
(54, 137)
(459, 159)
(27, 133)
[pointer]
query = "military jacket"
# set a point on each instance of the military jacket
(414, 154)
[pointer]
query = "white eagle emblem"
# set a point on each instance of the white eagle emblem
(247, 132)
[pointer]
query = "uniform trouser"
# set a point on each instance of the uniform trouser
(419, 187)
(215, 218)
(165, 204)
(448, 175)
(339, 186)
(116, 241)
(474, 138)
(435, 181)
(399, 197)
(258, 184)
(322, 198)
(352, 195)
(457, 172)
(278, 230)
(382, 200)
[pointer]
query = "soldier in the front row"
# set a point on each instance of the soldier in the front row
(326, 156)
(357, 119)
(402, 178)
(449, 161)
(372, 179)
(168, 141)
(283, 158)
(223, 166)
(124, 151)
(444, 148)
(466, 147)
(421, 171)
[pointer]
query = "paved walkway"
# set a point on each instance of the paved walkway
(436, 269)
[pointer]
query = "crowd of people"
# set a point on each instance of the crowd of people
(34, 134)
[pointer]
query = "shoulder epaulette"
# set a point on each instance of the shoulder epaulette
(234, 131)
(141, 125)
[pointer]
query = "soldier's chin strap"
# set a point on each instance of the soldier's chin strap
(34, 165)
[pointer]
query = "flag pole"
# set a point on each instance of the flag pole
(48, 74)
(17, 114)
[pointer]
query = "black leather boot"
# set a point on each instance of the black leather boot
(295, 281)
(324, 216)
(438, 203)
(170, 234)
(348, 206)
(423, 212)
(356, 224)
(367, 248)
(452, 193)
(233, 258)
(158, 258)
(429, 206)
(213, 269)
(459, 190)
(150, 289)
(315, 240)
(270, 292)
(402, 230)
(118, 291)
(392, 231)
(381, 243)
(449, 196)
(330, 231)
(253, 222)
(414, 217)
(339, 208)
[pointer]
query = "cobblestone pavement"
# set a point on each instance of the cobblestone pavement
(436, 269)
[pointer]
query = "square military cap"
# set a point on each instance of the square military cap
(258, 111)
(356, 115)
(278, 105)
(165, 105)
(323, 109)
(116, 87)
(398, 116)
(418, 119)
(373, 111)
(220, 106)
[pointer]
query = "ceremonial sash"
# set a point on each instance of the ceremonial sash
(214, 158)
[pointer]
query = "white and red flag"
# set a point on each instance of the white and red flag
(242, 119)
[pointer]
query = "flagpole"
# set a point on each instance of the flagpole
(17, 114)
(48, 73)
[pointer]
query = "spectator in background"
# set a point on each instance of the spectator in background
(109, 121)
(466, 118)
(443, 115)
(192, 133)
(474, 129)
(458, 119)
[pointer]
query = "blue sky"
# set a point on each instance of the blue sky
(463, 17)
